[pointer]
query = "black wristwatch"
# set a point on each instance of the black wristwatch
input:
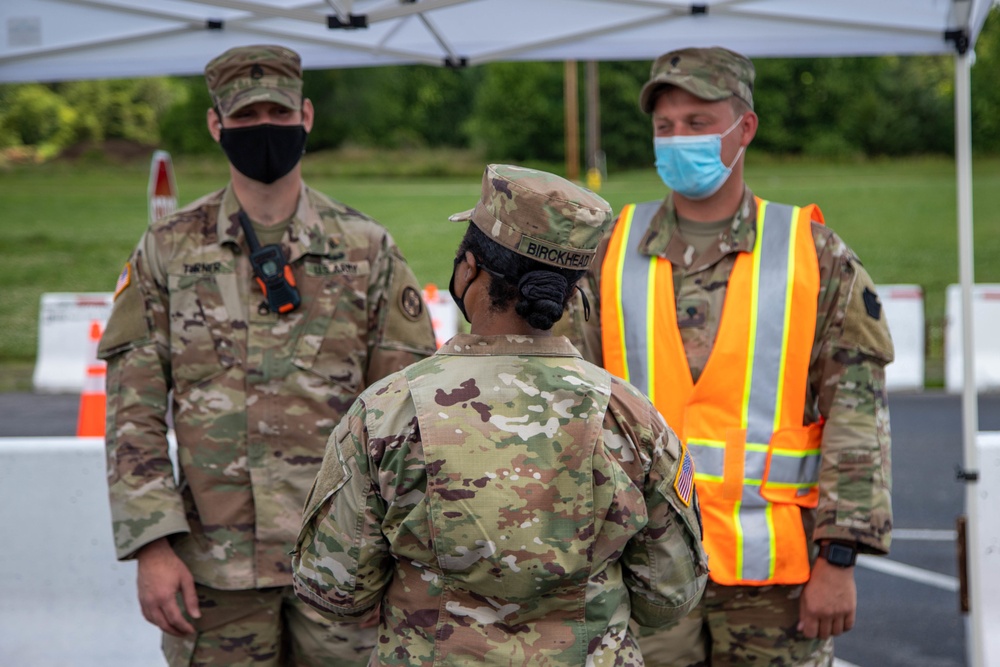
(838, 553)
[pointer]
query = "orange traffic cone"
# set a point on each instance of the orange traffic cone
(90, 421)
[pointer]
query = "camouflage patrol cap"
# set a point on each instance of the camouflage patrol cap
(260, 73)
(710, 74)
(539, 215)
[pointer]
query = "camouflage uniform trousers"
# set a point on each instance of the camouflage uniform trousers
(737, 625)
(267, 627)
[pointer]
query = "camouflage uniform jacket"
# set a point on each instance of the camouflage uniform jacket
(254, 394)
(508, 503)
(846, 372)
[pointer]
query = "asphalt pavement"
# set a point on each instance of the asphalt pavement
(908, 605)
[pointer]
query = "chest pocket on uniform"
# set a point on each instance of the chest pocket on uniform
(333, 343)
(201, 346)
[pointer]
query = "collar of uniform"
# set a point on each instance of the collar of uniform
(471, 345)
(227, 225)
(307, 234)
(662, 239)
(310, 233)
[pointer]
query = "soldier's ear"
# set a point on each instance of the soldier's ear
(470, 259)
(308, 113)
(749, 124)
(214, 122)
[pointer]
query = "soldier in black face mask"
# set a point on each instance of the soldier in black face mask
(259, 116)
(258, 314)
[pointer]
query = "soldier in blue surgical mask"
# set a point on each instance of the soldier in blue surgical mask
(758, 334)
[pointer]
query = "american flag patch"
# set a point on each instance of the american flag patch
(684, 482)
(124, 279)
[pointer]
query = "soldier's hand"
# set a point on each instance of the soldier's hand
(161, 576)
(829, 601)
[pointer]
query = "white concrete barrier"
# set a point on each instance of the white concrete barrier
(64, 347)
(985, 341)
(904, 310)
(64, 599)
(986, 572)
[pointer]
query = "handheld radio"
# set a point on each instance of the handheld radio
(271, 271)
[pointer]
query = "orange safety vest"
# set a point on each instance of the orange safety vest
(756, 464)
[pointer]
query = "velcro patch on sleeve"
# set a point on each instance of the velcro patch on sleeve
(124, 280)
(684, 481)
(865, 326)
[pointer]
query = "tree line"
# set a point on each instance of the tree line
(829, 108)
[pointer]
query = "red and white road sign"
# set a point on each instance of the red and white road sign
(162, 187)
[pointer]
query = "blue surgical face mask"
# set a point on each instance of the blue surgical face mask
(692, 165)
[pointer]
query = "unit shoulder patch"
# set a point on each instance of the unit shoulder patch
(411, 303)
(872, 305)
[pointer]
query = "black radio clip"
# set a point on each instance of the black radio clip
(271, 271)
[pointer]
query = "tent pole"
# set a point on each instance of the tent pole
(572, 111)
(593, 119)
(970, 415)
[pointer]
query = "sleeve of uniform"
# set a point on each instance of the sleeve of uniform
(341, 563)
(400, 331)
(145, 502)
(664, 565)
(847, 377)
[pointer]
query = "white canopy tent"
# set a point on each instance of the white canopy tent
(54, 40)
(49, 40)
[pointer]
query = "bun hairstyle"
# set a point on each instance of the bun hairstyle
(539, 292)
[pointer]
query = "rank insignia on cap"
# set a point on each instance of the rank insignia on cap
(124, 280)
(411, 302)
(872, 304)
(684, 482)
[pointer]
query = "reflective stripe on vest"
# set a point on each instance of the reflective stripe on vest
(755, 462)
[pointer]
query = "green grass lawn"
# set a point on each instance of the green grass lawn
(69, 228)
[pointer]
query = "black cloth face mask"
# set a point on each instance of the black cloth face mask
(264, 152)
(459, 300)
